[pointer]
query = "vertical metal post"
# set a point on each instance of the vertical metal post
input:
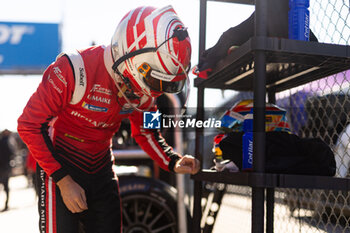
(197, 207)
(270, 192)
(198, 187)
(270, 203)
(180, 179)
(259, 86)
(202, 25)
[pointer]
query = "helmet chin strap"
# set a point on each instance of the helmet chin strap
(132, 105)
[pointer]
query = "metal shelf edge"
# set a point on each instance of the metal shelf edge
(270, 180)
(233, 62)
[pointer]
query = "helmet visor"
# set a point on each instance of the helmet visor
(161, 82)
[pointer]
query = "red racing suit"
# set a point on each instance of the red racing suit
(59, 132)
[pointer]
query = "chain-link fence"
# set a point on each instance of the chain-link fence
(317, 109)
(295, 210)
(329, 19)
(321, 109)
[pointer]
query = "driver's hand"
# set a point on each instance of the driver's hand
(73, 194)
(187, 165)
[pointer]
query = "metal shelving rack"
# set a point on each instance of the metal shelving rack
(266, 66)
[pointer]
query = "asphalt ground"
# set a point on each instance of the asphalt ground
(234, 215)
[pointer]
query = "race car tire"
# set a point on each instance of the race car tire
(148, 205)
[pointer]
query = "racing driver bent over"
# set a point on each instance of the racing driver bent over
(69, 121)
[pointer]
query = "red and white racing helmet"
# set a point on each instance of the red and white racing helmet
(151, 51)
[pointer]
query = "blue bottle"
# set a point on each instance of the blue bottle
(247, 139)
(299, 20)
